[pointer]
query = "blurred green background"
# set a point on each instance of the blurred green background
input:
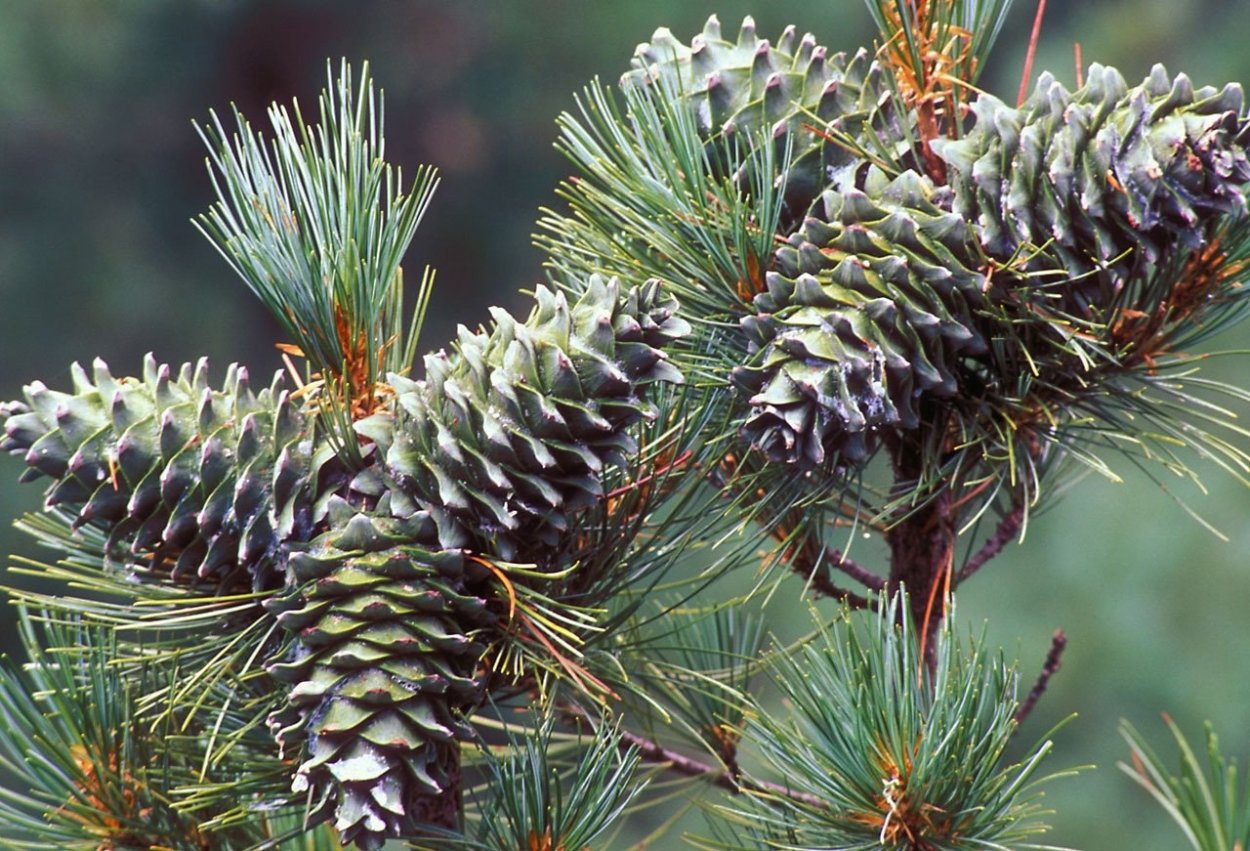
(100, 172)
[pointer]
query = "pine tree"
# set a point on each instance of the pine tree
(481, 601)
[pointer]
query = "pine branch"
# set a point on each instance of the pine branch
(1050, 667)
(316, 222)
(854, 570)
(934, 51)
(654, 199)
(885, 747)
(106, 772)
(818, 580)
(1007, 528)
(864, 272)
(538, 800)
(1208, 799)
(699, 666)
(653, 752)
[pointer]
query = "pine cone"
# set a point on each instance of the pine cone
(869, 311)
(486, 458)
(793, 88)
(191, 484)
(1104, 179)
(384, 668)
(507, 437)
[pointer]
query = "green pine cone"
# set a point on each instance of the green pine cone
(1104, 179)
(869, 311)
(487, 457)
(508, 436)
(752, 87)
(384, 665)
(193, 485)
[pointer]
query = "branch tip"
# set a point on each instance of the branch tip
(1054, 659)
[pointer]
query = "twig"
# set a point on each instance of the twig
(654, 752)
(1007, 529)
(1031, 52)
(823, 585)
(855, 570)
(1053, 660)
(806, 556)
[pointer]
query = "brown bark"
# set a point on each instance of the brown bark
(922, 549)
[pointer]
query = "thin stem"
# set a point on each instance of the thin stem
(855, 570)
(820, 582)
(729, 778)
(653, 752)
(1053, 660)
(804, 555)
(1007, 529)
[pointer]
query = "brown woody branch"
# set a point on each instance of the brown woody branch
(819, 581)
(803, 554)
(855, 570)
(1007, 529)
(806, 558)
(653, 752)
(1053, 661)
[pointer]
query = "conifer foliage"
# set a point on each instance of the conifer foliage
(474, 601)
